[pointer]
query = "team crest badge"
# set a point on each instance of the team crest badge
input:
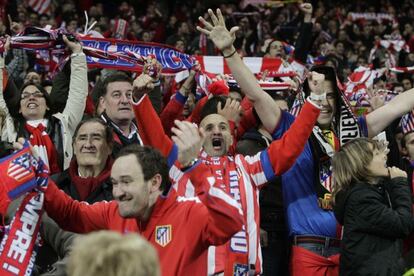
(163, 234)
(19, 168)
(241, 270)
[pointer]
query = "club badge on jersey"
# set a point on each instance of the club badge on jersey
(241, 270)
(163, 235)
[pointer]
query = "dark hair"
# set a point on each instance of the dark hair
(117, 76)
(330, 75)
(210, 107)
(270, 43)
(46, 95)
(108, 130)
(151, 161)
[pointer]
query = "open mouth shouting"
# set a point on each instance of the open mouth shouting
(217, 143)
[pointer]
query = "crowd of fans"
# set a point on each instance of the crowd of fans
(222, 174)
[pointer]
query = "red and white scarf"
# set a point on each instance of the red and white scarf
(20, 173)
(41, 141)
(227, 179)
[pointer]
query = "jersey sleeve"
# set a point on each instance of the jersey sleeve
(362, 123)
(282, 153)
(152, 131)
(219, 217)
(75, 216)
(172, 111)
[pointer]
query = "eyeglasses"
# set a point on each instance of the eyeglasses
(35, 95)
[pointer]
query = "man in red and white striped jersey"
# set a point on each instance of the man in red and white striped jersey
(238, 175)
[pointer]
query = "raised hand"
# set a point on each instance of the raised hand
(376, 98)
(218, 33)
(394, 172)
(15, 27)
(74, 46)
(306, 8)
(231, 110)
(316, 81)
(189, 140)
(152, 68)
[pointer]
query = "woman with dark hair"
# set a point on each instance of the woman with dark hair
(50, 133)
(374, 205)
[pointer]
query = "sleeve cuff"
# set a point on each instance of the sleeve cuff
(266, 165)
(172, 156)
(189, 169)
(136, 103)
(180, 98)
(309, 100)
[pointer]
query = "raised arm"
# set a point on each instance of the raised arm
(175, 106)
(150, 126)
(304, 41)
(266, 108)
(380, 118)
(8, 133)
(78, 86)
(282, 153)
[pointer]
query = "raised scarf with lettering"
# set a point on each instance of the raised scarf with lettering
(22, 172)
(232, 257)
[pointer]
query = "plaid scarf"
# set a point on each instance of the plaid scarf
(41, 141)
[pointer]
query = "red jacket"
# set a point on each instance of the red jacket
(180, 229)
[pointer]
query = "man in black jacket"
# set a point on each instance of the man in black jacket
(86, 179)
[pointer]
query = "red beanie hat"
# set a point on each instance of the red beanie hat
(219, 87)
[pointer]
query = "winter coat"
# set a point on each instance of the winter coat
(375, 218)
(65, 123)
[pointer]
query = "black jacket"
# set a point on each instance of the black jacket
(375, 218)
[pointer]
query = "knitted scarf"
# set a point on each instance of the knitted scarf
(228, 179)
(345, 128)
(86, 186)
(41, 141)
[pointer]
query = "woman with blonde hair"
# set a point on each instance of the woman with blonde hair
(106, 253)
(374, 205)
